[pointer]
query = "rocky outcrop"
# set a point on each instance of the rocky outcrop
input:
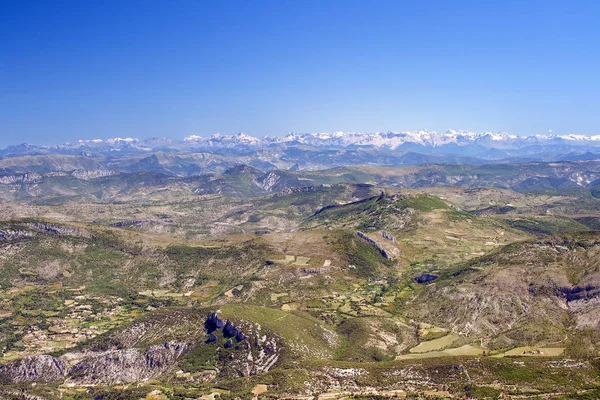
(268, 182)
(256, 353)
(245, 355)
(279, 181)
(426, 278)
(30, 177)
(373, 243)
(212, 338)
(134, 222)
(313, 271)
(9, 234)
(108, 367)
(43, 369)
(128, 365)
(292, 190)
(229, 330)
(388, 236)
(240, 349)
(60, 230)
(93, 174)
(148, 348)
(213, 322)
(579, 293)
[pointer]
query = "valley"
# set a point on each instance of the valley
(355, 282)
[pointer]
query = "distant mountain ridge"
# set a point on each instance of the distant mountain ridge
(196, 155)
(246, 182)
(390, 140)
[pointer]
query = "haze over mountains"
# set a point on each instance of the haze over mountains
(458, 141)
(196, 155)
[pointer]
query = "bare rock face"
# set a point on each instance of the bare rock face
(64, 230)
(258, 352)
(292, 190)
(268, 182)
(8, 235)
(30, 177)
(128, 355)
(128, 365)
(426, 278)
(388, 236)
(108, 367)
(373, 243)
(229, 330)
(213, 322)
(43, 369)
(92, 174)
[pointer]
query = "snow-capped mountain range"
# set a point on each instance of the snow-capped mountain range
(297, 151)
(388, 139)
(455, 141)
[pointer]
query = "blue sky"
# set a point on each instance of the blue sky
(87, 69)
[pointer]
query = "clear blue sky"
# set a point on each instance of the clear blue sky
(86, 69)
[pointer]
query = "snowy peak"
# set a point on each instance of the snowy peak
(390, 139)
(225, 140)
(420, 141)
(393, 140)
(95, 144)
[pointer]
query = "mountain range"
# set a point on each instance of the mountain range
(197, 155)
(454, 141)
(413, 264)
